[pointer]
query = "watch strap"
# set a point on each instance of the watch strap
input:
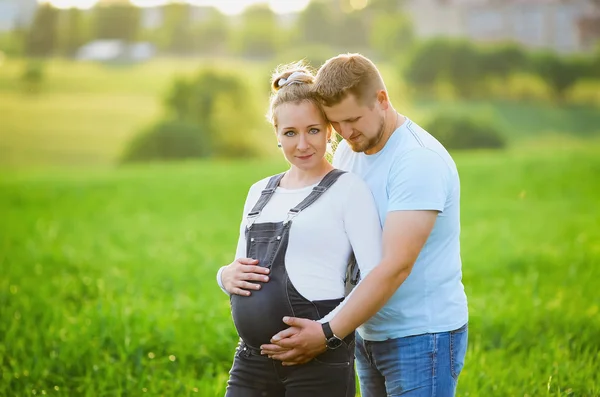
(327, 331)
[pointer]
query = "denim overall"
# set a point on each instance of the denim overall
(259, 316)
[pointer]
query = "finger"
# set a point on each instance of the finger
(241, 292)
(255, 269)
(247, 286)
(297, 322)
(272, 348)
(286, 333)
(273, 352)
(247, 261)
(289, 356)
(288, 343)
(254, 277)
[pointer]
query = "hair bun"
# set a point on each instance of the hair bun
(298, 75)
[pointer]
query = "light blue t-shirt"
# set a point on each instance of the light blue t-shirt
(415, 172)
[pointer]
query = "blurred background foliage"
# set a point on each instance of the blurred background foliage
(194, 115)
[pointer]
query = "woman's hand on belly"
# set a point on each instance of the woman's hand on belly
(237, 277)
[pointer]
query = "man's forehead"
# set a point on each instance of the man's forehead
(344, 109)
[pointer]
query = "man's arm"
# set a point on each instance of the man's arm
(404, 235)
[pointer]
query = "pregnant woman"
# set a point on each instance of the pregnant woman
(303, 226)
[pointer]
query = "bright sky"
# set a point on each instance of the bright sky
(230, 7)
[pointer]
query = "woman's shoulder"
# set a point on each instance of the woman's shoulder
(259, 186)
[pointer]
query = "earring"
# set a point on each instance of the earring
(278, 144)
(329, 140)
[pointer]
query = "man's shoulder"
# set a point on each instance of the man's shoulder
(418, 147)
(420, 161)
(422, 143)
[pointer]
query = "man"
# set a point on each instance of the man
(411, 310)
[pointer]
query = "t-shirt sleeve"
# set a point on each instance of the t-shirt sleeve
(361, 222)
(240, 251)
(418, 180)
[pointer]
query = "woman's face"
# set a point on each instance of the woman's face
(303, 133)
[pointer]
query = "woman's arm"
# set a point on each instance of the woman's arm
(236, 277)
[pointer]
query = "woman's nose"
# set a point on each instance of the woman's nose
(303, 142)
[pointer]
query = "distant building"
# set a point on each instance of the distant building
(14, 13)
(566, 26)
(116, 51)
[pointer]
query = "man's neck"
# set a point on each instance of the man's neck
(393, 120)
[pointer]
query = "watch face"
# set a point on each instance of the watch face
(334, 343)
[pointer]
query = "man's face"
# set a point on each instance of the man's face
(361, 125)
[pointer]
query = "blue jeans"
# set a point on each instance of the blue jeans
(413, 366)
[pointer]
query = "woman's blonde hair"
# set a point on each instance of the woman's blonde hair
(292, 83)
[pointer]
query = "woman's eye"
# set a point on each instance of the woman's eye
(314, 131)
(289, 133)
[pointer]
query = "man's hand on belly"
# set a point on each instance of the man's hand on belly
(298, 344)
(237, 276)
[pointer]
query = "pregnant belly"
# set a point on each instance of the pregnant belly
(259, 316)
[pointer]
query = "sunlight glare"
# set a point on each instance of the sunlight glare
(81, 4)
(358, 4)
(228, 7)
(148, 3)
(282, 7)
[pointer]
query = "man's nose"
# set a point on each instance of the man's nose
(345, 130)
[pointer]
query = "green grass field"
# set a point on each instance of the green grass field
(107, 274)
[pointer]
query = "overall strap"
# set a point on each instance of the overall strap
(327, 181)
(265, 196)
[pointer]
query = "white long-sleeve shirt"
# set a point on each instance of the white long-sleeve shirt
(323, 236)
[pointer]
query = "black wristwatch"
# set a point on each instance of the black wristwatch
(331, 340)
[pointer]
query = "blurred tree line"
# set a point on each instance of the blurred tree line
(469, 68)
(197, 120)
(380, 28)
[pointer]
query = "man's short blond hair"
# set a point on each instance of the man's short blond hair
(348, 74)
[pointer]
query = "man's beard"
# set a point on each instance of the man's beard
(363, 146)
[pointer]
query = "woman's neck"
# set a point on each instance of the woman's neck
(297, 178)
